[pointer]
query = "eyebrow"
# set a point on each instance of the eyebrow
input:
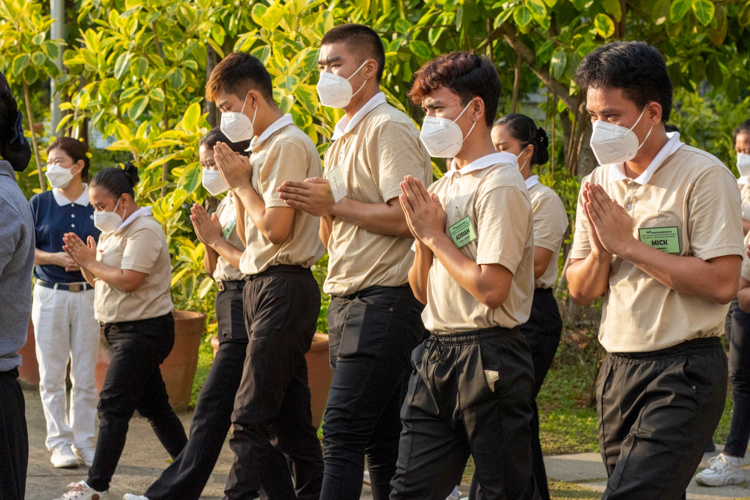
(433, 103)
(328, 60)
(607, 111)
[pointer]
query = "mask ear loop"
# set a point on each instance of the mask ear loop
(472, 125)
(363, 83)
(649, 130)
(245, 102)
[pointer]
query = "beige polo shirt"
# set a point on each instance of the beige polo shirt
(490, 194)
(744, 187)
(746, 260)
(227, 213)
(375, 152)
(550, 226)
(692, 198)
(138, 246)
(284, 154)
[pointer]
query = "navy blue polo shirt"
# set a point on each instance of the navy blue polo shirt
(54, 215)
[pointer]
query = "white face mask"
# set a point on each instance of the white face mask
(59, 177)
(335, 91)
(743, 164)
(615, 144)
(237, 126)
(107, 222)
(443, 137)
(213, 182)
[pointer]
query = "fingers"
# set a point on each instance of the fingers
(316, 180)
(288, 185)
(215, 219)
(91, 242)
(408, 189)
(300, 205)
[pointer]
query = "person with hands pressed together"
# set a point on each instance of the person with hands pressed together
(373, 317)
(281, 297)
(131, 271)
(658, 233)
(472, 382)
(63, 311)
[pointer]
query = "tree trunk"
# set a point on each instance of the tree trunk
(516, 84)
(213, 115)
(30, 116)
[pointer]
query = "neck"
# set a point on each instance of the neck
(635, 167)
(526, 171)
(74, 189)
(265, 118)
(477, 145)
(130, 211)
(359, 100)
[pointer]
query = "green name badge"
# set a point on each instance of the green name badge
(229, 227)
(666, 239)
(462, 232)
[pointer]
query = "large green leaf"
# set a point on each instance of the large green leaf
(51, 49)
(122, 64)
(192, 116)
(420, 49)
(605, 28)
(660, 12)
(612, 7)
(713, 72)
(537, 7)
(286, 82)
(138, 106)
(679, 9)
(522, 15)
(19, 64)
(38, 58)
(719, 33)
(177, 79)
(559, 62)
(139, 67)
(190, 178)
(704, 11)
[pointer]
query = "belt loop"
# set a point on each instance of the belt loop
(55, 287)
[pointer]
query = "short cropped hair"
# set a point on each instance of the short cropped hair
(215, 135)
(465, 74)
(636, 68)
(360, 40)
(237, 74)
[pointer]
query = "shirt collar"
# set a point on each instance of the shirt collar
(743, 180)
(61, 200)
(272, 129)
(344, 126)
(7, 169)
(141, 212)
(482, 163)
(531, 181)
(617, 170)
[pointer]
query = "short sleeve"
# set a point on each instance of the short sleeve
(746, 260)
(715, 221)
(286, 161)
(503, 215)
(142, 248)
(394, 151)
(581, 245)
(550, 222)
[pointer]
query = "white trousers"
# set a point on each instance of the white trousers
(65, 329)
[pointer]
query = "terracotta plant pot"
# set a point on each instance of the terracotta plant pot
(28, 372)
(178, 370)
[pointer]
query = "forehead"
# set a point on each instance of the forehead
(57, 153)
(743, 138)
(603, 98)
(500, 134)
(332, 52)
(223, 97)
(98, 195)
(441, 96)
(205, 153)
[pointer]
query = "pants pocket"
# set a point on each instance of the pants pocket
(366, 326)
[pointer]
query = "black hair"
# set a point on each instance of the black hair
(14, 148)
(359, 39)
(237, 74)
(524, 130)
(668, 127)
(742, 128)
(117, 181)
(215, 136)
(465, 74)
(635, 67)
(76, 150)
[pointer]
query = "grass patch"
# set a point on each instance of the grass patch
(560, 490)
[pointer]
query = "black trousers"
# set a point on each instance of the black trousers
(657, 413)
(281, 312)
(14, 439)
(542, 333)
(371, 334)
(186, 477)
(469, 394)
(739, 373)
(134, 382)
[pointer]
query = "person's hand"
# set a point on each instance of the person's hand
(207, 228)
(748, 251)
(597, 249)
(65, 261)
(424, 213)
(235, 169)
(84, 254)
(612, 223)
(313, 196)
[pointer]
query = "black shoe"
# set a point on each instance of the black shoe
(711, 447)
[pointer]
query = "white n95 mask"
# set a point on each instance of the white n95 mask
(615, 144)
(335, 91)
(59, 177)
(107, 222)
(443, 137)
(743, 164)
(214, 182)
(237, 126)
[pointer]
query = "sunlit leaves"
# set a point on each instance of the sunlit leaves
(605, 28)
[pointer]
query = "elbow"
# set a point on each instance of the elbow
(580, 299)
(494, 299)
(743, 299)
(277, 237)
(129, 287)
(726, 292)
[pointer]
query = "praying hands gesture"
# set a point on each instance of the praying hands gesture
(235, 169)
(424, 213)
(82, 253)
(207, 227)
(313, 196)
(610, 225)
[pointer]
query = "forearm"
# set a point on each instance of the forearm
(588, 278)
(420, 270)
(42, 258)
(240, 218)
(256, 209)
(688, 275)
(381, 218)
(112, 276)
(472, 277)
(743, 295)
(325, 229)
(745, 226)
(88, 277)
(209, 260)
(227, 251)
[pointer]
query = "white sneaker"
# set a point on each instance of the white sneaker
(366, 478)
(82, 491)
(63, 457)
(85, 455)
(454, 494)
(128, 496)
(722, 471)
